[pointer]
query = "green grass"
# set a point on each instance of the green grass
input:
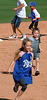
(7, 13)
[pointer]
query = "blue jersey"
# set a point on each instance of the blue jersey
(22, 69)
(34, 14)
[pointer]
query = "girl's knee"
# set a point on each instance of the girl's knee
(23, 84)
(24, 87)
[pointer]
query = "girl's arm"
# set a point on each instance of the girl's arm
(13, 62)
(10, 66)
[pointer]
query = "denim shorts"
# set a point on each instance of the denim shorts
(36, 55)
(16, 21)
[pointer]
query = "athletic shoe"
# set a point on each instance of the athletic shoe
(13, 36)
(37, 73)
(23, 37)
(1, 40)
(16, 36)
(15, 89)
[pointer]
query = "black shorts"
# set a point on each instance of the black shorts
(33, 25)
(23, 84)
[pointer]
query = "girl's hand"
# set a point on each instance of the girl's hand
(8, 72)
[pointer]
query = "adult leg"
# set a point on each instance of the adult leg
(13, 25)
(19, 30)
(14, 29)
(17, 24)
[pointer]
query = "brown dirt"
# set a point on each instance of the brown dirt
(36, 91)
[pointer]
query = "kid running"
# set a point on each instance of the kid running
(35, 16)
(22, 73)
(21, 13)
(35, 39)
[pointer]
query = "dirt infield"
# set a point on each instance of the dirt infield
(36, 91)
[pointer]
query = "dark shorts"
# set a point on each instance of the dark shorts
(33, 25)
(16, 21)
(36, 55)
(22, 82)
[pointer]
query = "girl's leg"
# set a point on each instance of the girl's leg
(19, 94)
(24, 86)
(16, 87)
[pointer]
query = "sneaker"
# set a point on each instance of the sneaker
(15, 89)
(37, 73)
(13, 36)
(16, 36)
(1, 40)
(23, 37)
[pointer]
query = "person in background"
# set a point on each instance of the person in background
(35, 16)
(35, 39)
(21, 13)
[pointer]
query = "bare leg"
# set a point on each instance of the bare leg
(17, 85)
(14, 29)
(19, 30)
(37, 63)
(34, 64)
(19, 94)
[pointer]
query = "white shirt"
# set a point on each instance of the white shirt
(22, 11)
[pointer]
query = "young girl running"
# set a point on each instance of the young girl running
(22, 74)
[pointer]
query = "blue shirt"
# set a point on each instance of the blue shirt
(22, 69)
(35, 44)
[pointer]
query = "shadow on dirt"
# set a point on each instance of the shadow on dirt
(7, 38)
(4, 99)
(4, 72)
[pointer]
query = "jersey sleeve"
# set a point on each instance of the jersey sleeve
(30, 16)
(37, 15)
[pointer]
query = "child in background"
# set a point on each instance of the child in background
(22, 71)
(35, 39)
(35, 16)
(21, 13)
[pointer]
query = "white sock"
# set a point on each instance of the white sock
(37, 70)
